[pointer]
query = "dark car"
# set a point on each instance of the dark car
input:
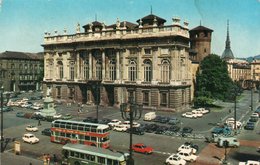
(7, 109)
(173, 121)
(151, 128)
(157, 119)
(136, 130)
(104, 121)
(90, 120)
(161, 130)
(250, 125)
(186, 130)
(174, 128)
(164, 119)
(46, 131)
(49, 118)
(38, 117)
(20, 114)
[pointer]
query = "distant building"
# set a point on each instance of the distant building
(21, 71)
(148, 61)
(239, 70)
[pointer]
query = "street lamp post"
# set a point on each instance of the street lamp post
(252, 96)
(225, 144)
(2, 118)
(131, 112)
(96, 88)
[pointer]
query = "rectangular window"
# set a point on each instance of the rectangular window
(145, 98)
(58, 92)
(147, 51)
(164, 99)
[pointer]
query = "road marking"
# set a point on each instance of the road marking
(163, 153)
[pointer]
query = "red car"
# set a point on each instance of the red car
(140, 147)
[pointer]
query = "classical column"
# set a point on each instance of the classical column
(139, 66)
(78, 75)
(123, 66)
(117, 65)
(90, 64)
(103, 64)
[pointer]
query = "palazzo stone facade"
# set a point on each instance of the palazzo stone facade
(148, 61)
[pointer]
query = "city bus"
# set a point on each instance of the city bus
(78, 154)
(68, 131)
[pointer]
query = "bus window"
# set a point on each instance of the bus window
(99, 131)
(87, 157)
(93, 129)
(80, 127)
(109, 162)
(65, 153)
(68, 125)
(82, 155)
(92, 158)
(76, 155)
(62, 134)
(87, 137)
(72, 153)
(101, 160)
(68, 135)
(75, 127)
(62, 125)
(94, 139)
(87, 128)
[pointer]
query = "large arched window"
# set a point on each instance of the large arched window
(60, 69)
(86, 70)
(99, 69)
(165, 71)
(147, 70)
(132, 70)
(50, 69)
(112, 69)
(72, 70)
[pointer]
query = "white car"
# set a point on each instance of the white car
(127, 123)
(114, 122)
(200, 110)
(31, 128)
(120, 128)
(30, 138)
(188, 156)
(175, 160)
(57, 116)
(254, 115)
(231, 122)
(186, 148)
(249, 162)
(190, 115)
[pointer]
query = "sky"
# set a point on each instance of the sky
(23, 22)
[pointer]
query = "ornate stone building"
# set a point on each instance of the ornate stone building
(148, 61)
(21, 71)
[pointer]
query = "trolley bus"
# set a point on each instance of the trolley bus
(68, 131)
(78, 154)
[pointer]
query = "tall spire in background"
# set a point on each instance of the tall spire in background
(228, 39)
(227, 54)
(151, 9)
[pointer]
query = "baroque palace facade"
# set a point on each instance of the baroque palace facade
(148, 61)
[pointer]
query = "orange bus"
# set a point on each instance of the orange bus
(77, 132)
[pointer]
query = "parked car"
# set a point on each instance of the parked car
(187, 148)
(20, 114)
(186, 130)
(127, 124)
(254, 117)
(200, 110)
(90, 120)
(188, 156)
(120, 128)
(192, 145)
(114, 122)
(57, 116)
(175, 160)
(231, 142)
(46, 131)
(67, 116)
(249, 162)
(174, 128)
(30, 138)
(149, 116)
(164, 119)
(250, 125)
(142, 148)
(161, 130)
(136, 130)
(173, 121)
(190, 115)
(31, 128)
(7, 109)
(104, 121)
(157, 119)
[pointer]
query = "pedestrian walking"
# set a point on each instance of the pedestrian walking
(55, 160)
(48, 157)
(39, 122)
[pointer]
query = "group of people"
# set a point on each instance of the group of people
(47, 159)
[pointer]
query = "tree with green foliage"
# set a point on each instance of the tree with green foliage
(212, 81)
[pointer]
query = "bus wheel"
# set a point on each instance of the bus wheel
(67, 141)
